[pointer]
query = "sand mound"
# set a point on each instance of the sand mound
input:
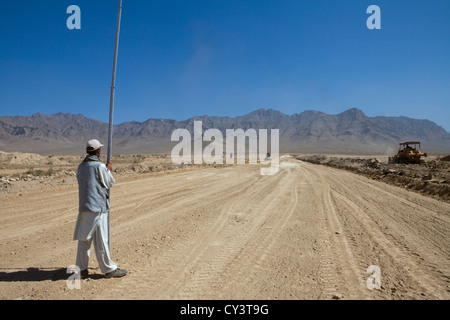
(30, 159)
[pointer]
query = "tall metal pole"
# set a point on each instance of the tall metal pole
(113, 85)
(111, 104)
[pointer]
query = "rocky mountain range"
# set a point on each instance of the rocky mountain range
(307, 132)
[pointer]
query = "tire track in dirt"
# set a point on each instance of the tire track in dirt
(209, 255)
(229, 239)
(406, 270)
(172, 269)
(398, 256)
(248, 263)
(341, 276)
(37, 214)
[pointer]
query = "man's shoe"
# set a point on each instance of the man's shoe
(116, 273)
(84, 274)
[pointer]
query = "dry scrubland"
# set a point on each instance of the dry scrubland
(226, 232)
(29, 171)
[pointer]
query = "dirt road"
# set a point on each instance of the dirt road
(308, 232)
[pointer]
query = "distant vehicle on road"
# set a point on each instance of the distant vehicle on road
(408, 152)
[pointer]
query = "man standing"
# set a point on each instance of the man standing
(94, 182)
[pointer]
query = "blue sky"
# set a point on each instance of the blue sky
(179, 59)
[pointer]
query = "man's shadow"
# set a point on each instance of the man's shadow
(39, 274)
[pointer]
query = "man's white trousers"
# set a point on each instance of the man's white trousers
(93, 227)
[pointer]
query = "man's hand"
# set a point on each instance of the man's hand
(109, 165)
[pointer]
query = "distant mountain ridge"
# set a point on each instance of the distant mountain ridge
(309, 132)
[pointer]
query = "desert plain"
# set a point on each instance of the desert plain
(311, 231)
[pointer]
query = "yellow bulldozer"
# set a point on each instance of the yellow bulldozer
(409, 152)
